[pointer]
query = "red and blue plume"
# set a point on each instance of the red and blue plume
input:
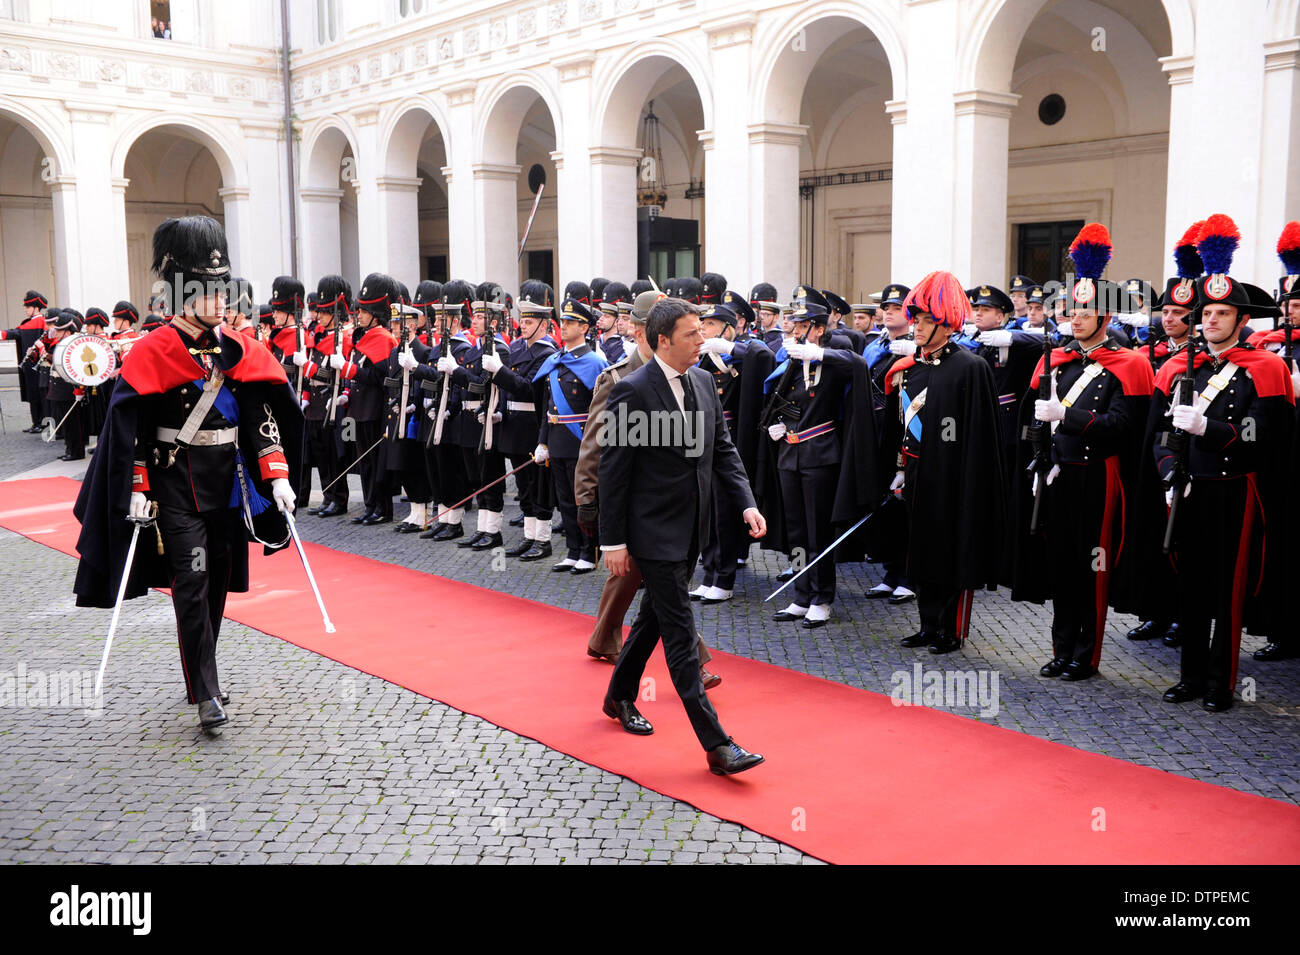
(1090, 251)
(1217, 243)
(943, 296)
(1186, 259)
(1288, 248)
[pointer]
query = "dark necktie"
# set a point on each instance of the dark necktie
(688, 395)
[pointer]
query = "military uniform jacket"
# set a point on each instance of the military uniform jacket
(430, 378)
(393, 373)
(317, 376)
(557, 435)
(283, 344)
(368, 368)
(473, 385)
(521, 400)
(815, 405)
(1011, 367)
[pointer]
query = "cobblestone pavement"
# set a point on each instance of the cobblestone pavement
(329, 764)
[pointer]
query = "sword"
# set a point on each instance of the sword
(529, 227)
(344, 473)
(311, 578)
(808, 567)
(150, 515)
(47, 438)
(448, 510)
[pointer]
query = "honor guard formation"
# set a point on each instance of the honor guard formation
(1096, 444)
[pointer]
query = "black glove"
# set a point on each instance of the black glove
(587, 520)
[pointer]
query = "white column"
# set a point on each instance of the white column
(496, 188)
(1183, 200)
(463, 261)
(613, 210)
(371, 245)
(96, 239)
(63, 198)
(573, 191)
(320, 232)
(774, 205)
(728, 232)
(257, 210)
(399, 202)
(982, 132)
(1279, 166)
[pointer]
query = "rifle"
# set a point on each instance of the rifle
(777, 406)
(1290, 361)
(440, 386)
(1040, 436)
(335, 373)
(297, 321)
(1180, 441)
(1151, 339)
(493, 394)
(400, 386)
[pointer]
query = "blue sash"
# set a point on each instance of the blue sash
(913, 426)
(241, 488)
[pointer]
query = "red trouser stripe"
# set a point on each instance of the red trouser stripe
(964, 603)
(1114, 500)
(1240, 573)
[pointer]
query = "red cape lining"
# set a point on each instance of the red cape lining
(1267, 371)
(1132, 369)
(160, 361)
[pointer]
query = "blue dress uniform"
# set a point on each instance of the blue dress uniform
(485, 466)
(569, 377)
(522, 401)
(323, 447)
(405, 457)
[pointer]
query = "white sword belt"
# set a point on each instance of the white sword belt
(472, 405)
(201, 439)
(520, 406)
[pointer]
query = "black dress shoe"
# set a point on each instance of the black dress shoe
(433, 532)
(449, 532)
(374, 519)
(34, 429)
(1275, 651)
(211, 715)
(729, 759)
(332, 509)
(408, 528)
(470, 542)
(919, 639)
(1055, 668)
(787, 574)
(486, 542)
(896, 599)
(578, 571)
(1077, 671)
(314, 511)
(1216, 701)
(945, 643)
(1147, 630)
(625, 712)
(1181, 692)
(1173, 638)
(783, 615)
(710, 680)
(225, 699)
(539, 550)
(519, 549)
(517, 521)
(363, 518)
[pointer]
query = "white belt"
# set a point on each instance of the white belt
(520, 406)
(202, 439)
(472, 405)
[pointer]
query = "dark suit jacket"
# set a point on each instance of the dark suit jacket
(654, 497)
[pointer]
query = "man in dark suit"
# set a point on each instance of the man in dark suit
(664, 440)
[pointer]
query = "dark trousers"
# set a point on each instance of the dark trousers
(374, 483)
(74, 434)
(197, 548)
(895, 573)
(944, 610)
(483, 469)
(407, 471)
(616, 596)
(451, 483)
(35, 400)
(1083, 512)
(321, 454)
(580, 546)
(529, 483)
(666, 610)
(809, 496)
(723, 547)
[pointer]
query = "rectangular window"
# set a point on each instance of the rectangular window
(541, 265)
(1042, 249)
(435, 268)
(160, 19)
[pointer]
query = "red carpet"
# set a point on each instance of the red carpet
(849, 777)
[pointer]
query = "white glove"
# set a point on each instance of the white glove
(1190, 419)
(283, 494)
(305, 400)
(1034, 329)
(777, 431)
(788, 343)
(970, 329)
(336, 362)
(410, 409)
(1295, 383)
(447, 364)
(902, 346)
(998, 338)
(1051, 410)
(717, 346)
(1065, 329)
(407, 361)
(1136, 321)
(139, 506)
(496, 417)
(1169, 494)
(341, 401)
(805, 352)
(300, 358)
(491, 363)
(541, 453)
(897, 483)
